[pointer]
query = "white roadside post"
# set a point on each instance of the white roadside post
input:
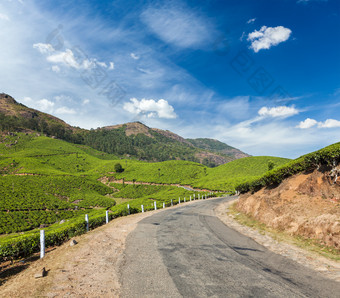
(87, 222)
(198, 196)
(142, 208)
(128, 206)
(155, 205)
(190, 198)
(194, 197)
(107, 216)
(172, 203)
(163, 205)
(179, 200)
(42, 243)
(184, 200)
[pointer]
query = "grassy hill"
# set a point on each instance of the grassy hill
(51, 183)
(131, 140)
(225, 177)
(326, 158)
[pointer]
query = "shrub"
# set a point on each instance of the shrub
(118, 168)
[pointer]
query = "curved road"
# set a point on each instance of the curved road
(188, 252)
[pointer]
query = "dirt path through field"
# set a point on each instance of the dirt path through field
(107, 180)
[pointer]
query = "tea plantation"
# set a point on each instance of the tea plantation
(49, 183)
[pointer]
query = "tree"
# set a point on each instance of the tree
(118, 168)
(271, 165)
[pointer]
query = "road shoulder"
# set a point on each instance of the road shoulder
(328, 268)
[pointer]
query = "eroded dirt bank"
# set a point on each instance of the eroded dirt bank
(306, 204)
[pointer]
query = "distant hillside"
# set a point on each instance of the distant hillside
(218, 147)
(16, 117)
(131, 140)
(229, 175)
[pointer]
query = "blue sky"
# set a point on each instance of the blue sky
(262, 76)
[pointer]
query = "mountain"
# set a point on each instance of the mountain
(218, 147)
(16, 117)
(132, 140)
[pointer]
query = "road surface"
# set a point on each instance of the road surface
(188, 252)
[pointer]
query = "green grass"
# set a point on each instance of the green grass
(327, 157)
(227, 176)
(153, 192)
(63, 184)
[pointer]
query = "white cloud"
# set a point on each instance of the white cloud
(267, 37)
(102, 64)
(329, 123)
(281, 111)
(65, 110)
(308, 123)
(112, 66)
(4, 17)
(251, 21)
(178, 26)
(134, 56)
(86, 101)
(43, 105)
(43, 48)
(55, 68)
(67, 58)
(150, 108)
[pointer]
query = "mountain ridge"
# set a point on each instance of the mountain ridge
(133, 139)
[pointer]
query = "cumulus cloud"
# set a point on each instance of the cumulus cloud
(267, 37)
(281, 111)
(67, 58)
(44, 104)
(308, 123)
(150, 108)
(179, 26)
(329, 123)
(134, 56)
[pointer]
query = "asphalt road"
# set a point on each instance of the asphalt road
(188, 252)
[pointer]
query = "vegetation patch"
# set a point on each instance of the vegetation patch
(328, 156)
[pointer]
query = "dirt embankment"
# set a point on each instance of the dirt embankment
(306, 205)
